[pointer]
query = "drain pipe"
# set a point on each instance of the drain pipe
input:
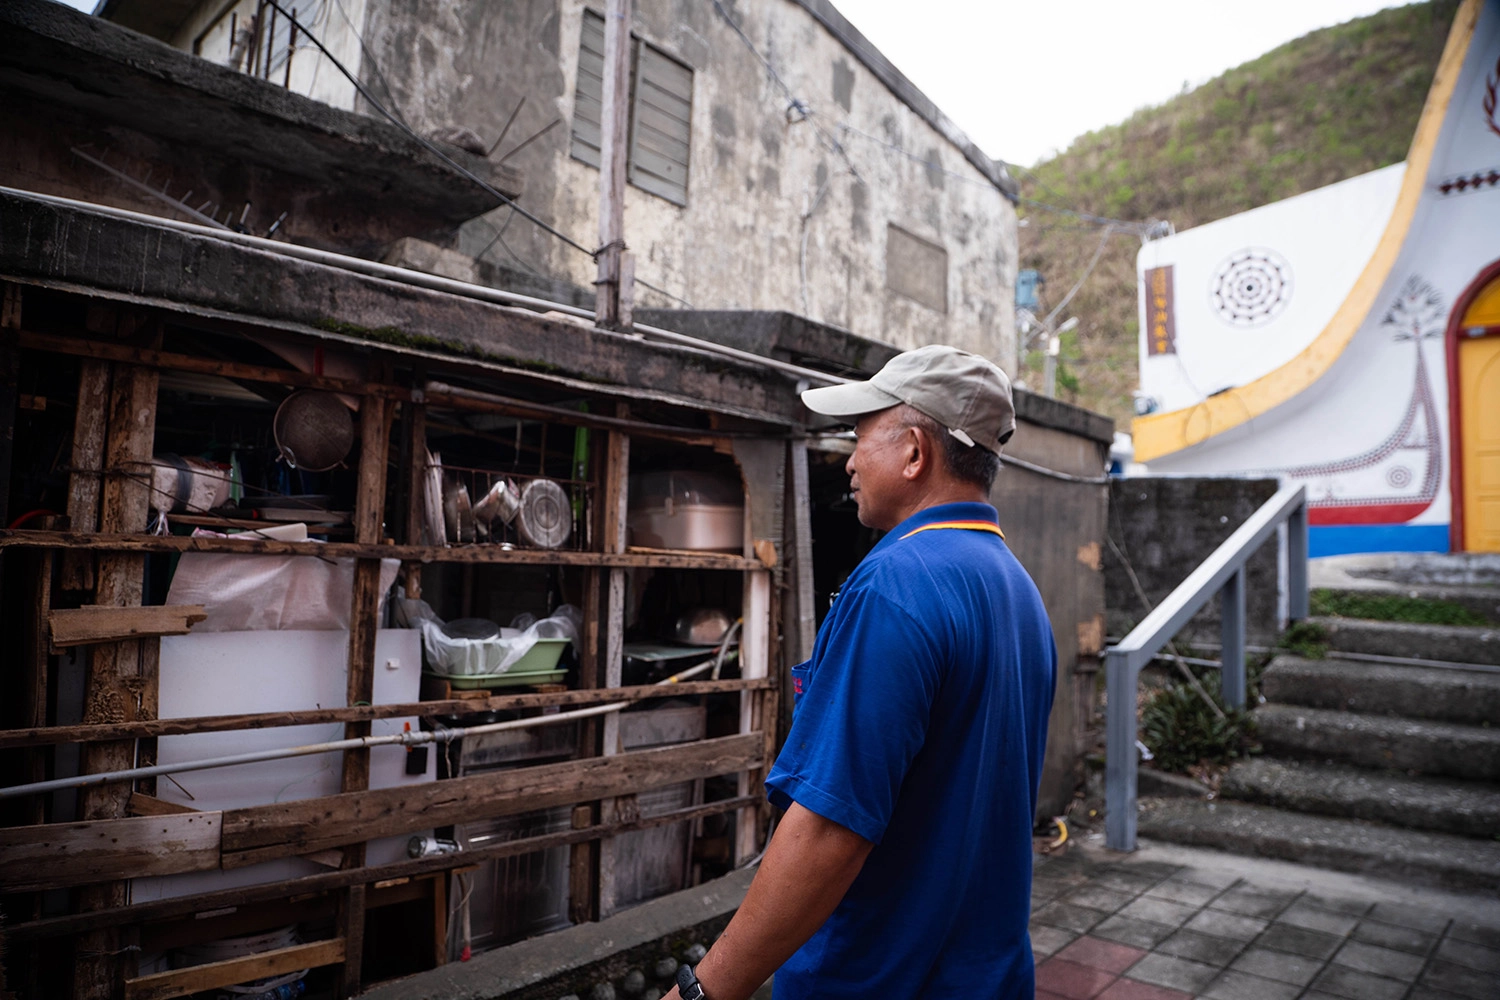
(417, 738)
(422, 279)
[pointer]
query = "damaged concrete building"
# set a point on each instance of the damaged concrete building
(191, 255)
(777, 161)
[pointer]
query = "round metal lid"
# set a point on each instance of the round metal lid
(545, 518)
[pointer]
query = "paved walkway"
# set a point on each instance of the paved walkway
(1169, 923)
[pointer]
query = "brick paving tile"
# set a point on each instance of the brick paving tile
(1068, 916)
(1226, 925)
(1068, 979)
(1096, 953)
(1315, 918)
(1354, 985)
(1242, 986)
(1130, 882)
(1339, 904)
(1130, 989)
(1203, 948)
(1172, 972)
(1475, 956)
(1248, 901)
(1297, 970)
(1046, 940)
(1186, 893)
(1213, 879)
(1390, 936)
(1456, 979)
(1096, 897)
(1381, 961)
(1159, 911)
(1127, 930)
(1410, 916)
(1155, 869)
(1048, 888)
(1475, 933)
(1425, 993)
(1299, 941)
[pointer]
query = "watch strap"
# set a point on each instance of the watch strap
(687, 984)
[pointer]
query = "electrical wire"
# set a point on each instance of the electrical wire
(431, 147)
(1098, 252)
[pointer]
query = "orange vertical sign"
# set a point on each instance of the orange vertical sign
(1161, 326)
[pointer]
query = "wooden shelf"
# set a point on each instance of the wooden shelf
(102, 542)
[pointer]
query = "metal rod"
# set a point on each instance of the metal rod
(177, 205)
(442, 735)
(422, 280)
(1119, 752)
(508, 122)
(530, 139)
(1232, 633)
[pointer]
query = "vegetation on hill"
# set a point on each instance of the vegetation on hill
(1328, 106)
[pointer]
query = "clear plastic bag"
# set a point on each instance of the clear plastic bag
(457, 656)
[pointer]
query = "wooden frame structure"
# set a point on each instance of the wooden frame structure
(125, 831)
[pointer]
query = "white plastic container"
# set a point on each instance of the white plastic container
(686, 510)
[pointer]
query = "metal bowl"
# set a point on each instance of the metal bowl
(313, 429)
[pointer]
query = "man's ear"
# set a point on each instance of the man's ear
(919, 454)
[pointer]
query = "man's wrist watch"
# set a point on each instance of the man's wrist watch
(687, 984)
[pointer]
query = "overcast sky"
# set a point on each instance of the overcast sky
(1023, 79)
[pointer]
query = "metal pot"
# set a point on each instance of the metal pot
(313, 430)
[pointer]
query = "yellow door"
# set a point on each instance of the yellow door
(1479, 415)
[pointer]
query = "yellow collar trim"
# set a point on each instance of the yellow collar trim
(965, 525)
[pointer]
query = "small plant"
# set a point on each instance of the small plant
(1306, 639)
(1183, 732)
(1392, 608)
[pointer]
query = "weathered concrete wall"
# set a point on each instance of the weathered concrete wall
(1164, 527)
(760, 189)
(1056, 529)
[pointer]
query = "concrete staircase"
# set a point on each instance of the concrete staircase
(1381, 757)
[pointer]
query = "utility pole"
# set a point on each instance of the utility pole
(614, 289)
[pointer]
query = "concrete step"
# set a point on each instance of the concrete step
(1452, 695)
(1380, 742)
(1455, 643)
(1481, 601)
(1344, 844)
(1445, 805)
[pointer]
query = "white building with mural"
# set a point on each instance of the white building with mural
(1349, 338)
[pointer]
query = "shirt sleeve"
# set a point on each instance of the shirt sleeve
(861, 717)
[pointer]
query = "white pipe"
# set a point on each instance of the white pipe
(417, 738)
(420, 279)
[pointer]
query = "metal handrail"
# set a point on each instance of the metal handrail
(1223, 572)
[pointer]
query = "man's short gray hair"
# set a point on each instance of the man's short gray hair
(972, 464)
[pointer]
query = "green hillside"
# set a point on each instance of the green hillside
(1330, 105)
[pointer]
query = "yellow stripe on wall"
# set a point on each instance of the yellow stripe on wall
(1164, 433)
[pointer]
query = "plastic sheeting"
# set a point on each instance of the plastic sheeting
(458, 656)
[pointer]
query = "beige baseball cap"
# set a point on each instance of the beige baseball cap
(965, 393)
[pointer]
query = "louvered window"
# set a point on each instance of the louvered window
(661, 105)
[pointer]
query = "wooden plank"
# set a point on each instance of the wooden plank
(755, 658)
(138, 542)
(195, 979)
(103, 351)
(84, 483)
(37, 663)
(141, 804)
(285, 829)
(271, 720)
(615, 500)
(102, 623)
(225, 900)
(55, 855)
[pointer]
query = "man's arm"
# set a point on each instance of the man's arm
(809, 865)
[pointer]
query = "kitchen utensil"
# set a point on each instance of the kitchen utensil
(313, 430)
(545, 519)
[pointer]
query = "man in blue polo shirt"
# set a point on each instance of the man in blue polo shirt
(902, 867)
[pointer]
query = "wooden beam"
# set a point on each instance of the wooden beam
(139, 542)
(197, 978)
(313, 716)
(207, 904)
(614, 120)
(103, 623)
(36, 664)
(56, 855)
(141, 804)
(615, 500)
(285, 829)
(90, 421)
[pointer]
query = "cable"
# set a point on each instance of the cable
(1098, 252)
(370, 58)
(427, 144)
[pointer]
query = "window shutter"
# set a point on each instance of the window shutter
(588, 94)
(660, 128)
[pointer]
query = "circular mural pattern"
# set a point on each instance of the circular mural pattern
(1251, 287)
(1398, 476)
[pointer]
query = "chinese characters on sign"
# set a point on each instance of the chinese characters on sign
(1161, 328)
